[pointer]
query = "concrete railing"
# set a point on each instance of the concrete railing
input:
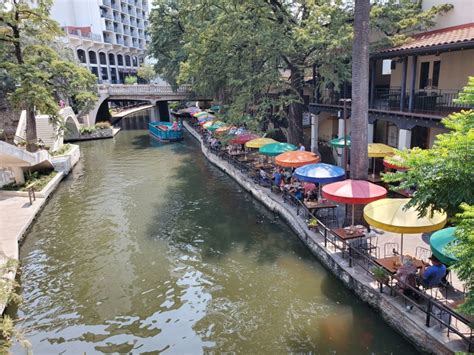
(149, 89)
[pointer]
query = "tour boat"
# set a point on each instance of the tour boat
(165, 132)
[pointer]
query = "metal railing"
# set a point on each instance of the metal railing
(144, 89)
(87, 35)
(433, 310)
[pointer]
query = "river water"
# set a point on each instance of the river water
(147, 248)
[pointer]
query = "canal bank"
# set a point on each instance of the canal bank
(148, 247)
(18, 211)
(409, 324)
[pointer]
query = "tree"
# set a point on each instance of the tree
(360, 90)
(257, 56)
(464, 251)
(130, 80)
(41, 76)
(146, 72)
(442, 175)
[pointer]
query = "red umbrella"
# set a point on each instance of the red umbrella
(355, 192)
(243, 138)
(394, 162)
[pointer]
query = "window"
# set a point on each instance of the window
(102, 58)
(127, 60)
(81, 54)
(119, 59)
(104, 73)
(386, 67)
(435, 77)
(424, 75)
(92, 57)
(111, 59)
(135, 61)
(95, 71)
(113, 75)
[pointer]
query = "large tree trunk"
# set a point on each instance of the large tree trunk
(31, 136)
(360, 98)
(295, 112)
(360, 91)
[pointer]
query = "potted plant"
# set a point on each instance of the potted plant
(313, 223)
(381, 276)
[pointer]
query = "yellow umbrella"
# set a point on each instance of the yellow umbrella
(390, 214)
(379, 150)
(259, 142)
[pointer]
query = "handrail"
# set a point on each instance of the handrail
(367, 263)
(119, 89)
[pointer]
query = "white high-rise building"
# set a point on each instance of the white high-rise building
(107, 36)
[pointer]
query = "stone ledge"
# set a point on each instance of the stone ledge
(407, 324)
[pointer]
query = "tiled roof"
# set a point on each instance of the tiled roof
(432, 39)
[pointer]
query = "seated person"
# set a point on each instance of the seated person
(406, 273)
(175, 126)
(299, 194)
(431, 276)
(277, 177)
(263, 175)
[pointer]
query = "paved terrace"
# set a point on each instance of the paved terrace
(432, 323)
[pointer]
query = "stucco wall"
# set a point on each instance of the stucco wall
(462, 12)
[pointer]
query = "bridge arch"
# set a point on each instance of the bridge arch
(72, 126)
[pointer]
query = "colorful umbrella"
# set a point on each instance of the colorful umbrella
(394, 162)
(223, 129)
(274, 149)
(320, 173)
(391, 214)
(200, 114)
(259, 142)
(296, 159)
(208, 124)
(339, 142)
(379, 150)
(354, 192)
(215, 125)
(243, 138)
(438, 243)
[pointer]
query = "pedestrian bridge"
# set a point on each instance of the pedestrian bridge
(156, 95)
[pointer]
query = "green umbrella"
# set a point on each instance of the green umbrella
(439, 241)
(339, 142)
(215, 126)
(274, 149)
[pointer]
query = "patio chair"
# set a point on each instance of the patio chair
(391, 249)
(422, 253)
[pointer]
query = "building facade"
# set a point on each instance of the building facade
(413, 86)
(107, 36)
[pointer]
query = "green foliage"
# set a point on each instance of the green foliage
(256, 56)
(41, 76)
(103, 125)
(146, 72)
(464, 250)
(8, 332)
(87, 129)
(442, 175)
(63, 150)
(467, 95)
(380, 274)
(39, 178)
(130, 80)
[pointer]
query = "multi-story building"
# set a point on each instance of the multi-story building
(107, 36)
(412, 86)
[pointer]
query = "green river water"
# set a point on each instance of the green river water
(148, 248)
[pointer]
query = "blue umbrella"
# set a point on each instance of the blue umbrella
(320, 173)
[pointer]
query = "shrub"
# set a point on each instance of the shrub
(103, 125)
(87, 130)
(130, 80)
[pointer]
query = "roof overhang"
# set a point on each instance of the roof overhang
(424, 50)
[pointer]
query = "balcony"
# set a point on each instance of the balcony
(119, 41)
(427, 103)
(116, 6)
(125, 20)
(108, 39)
(118, 29)
(106, 15)
(106, 3)
(127, 31)
(109, 26)
(140, 25)
(82, 32)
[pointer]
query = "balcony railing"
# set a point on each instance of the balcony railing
(118, 29)
(106, 15)
(116, 6)
(109, 26)
(106, 3)
(119, 41)
(127, 31)
(434, 102)
(108, 40)
(87, 35)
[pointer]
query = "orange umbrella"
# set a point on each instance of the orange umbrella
(223, 129)
(296, 159)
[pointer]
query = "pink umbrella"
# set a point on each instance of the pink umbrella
(355, 192)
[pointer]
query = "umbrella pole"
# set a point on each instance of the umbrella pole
(352, 215)
(373, 170)
(401, 246)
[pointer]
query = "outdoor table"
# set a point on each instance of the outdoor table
(343, 235)
(263, 166)
(237, 154)
(391, 263)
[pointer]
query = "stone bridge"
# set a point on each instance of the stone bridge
(156, 95)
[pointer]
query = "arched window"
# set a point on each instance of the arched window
(119, 59)
(141, 60)
(92, 57)
(102, 58)
(81, 55)
(111, 59)
(135, 61)
(127, 60)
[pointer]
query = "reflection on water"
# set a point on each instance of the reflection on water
(146, 247)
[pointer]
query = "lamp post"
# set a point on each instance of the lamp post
(344, 115)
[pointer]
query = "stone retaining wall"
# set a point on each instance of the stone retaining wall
(410, 325)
